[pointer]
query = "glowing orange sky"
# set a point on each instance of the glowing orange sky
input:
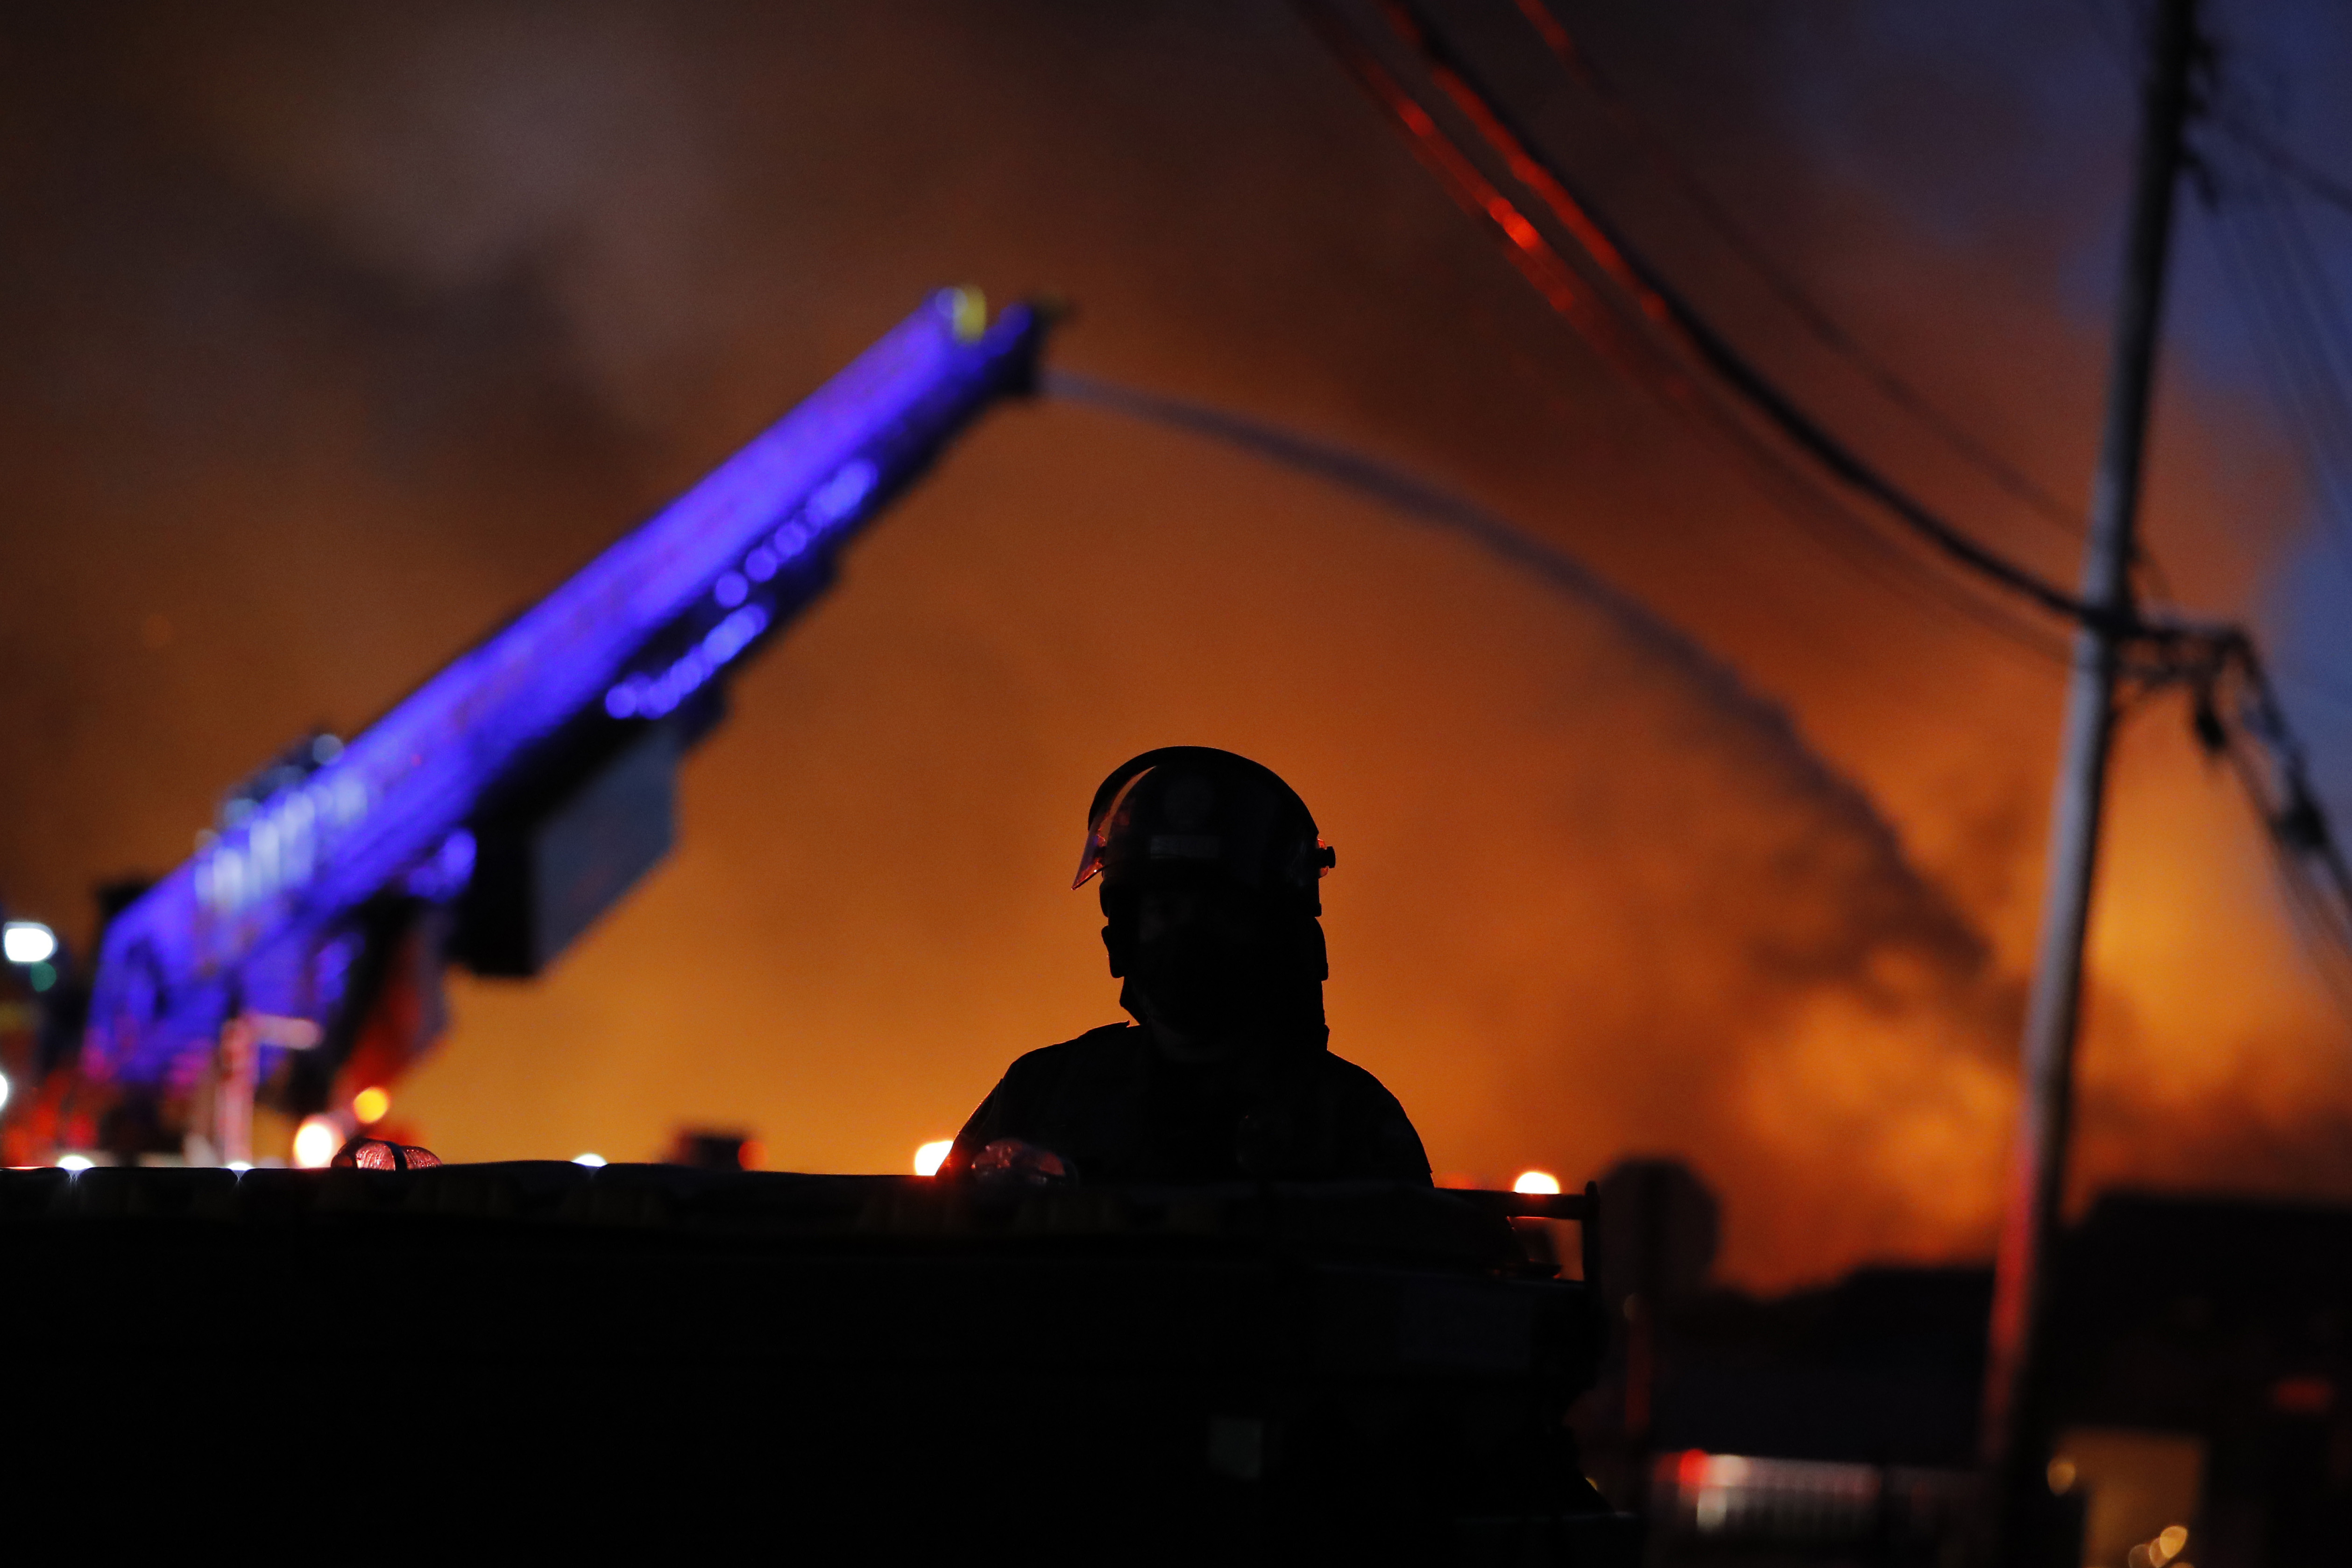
(346, 335)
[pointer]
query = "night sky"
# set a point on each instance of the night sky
(335, 335)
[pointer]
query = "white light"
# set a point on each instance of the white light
(591, 1160)
(1727, 1470)
(240, 1166)
(315, 1142)
(3, 1089)
(27, 942)
(931, 1156)
(293, 1033)
(74, 1161)
(1536, 1182)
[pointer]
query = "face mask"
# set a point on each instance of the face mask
(1203, 984)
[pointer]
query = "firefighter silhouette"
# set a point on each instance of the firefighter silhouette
(1209, 871)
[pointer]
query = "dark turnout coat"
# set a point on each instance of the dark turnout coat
(1118, 1109)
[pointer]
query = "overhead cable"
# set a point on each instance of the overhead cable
(2231, 120)
(2300, 343)
(2157, 650)
(2326, 187)
(1609, 324)
(1655, 301)
(1808, 311)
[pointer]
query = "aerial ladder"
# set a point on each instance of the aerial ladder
(493, 814)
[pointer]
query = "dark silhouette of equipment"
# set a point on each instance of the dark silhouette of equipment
(1653, 1254)
(1247, 1374)
(384, 1155)
(705, 1150)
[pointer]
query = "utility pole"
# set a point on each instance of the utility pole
(2016, 1425)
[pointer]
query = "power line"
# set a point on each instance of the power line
(2299, 330)
(2234, 121)
(2281, 364)
(2326, 187)
(1816, 318)
(1865, 548)
(2280, 786)
(1612, 295)
(2328, 347)
(1622, 333)
(2302, 346)
(2285, 329)
(2299, 245)
(1657, 302)
(2176, 647)
(2316, 927)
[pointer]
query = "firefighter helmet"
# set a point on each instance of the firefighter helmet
(1189, 813)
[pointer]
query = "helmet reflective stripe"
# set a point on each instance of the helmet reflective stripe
(1090, 857)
